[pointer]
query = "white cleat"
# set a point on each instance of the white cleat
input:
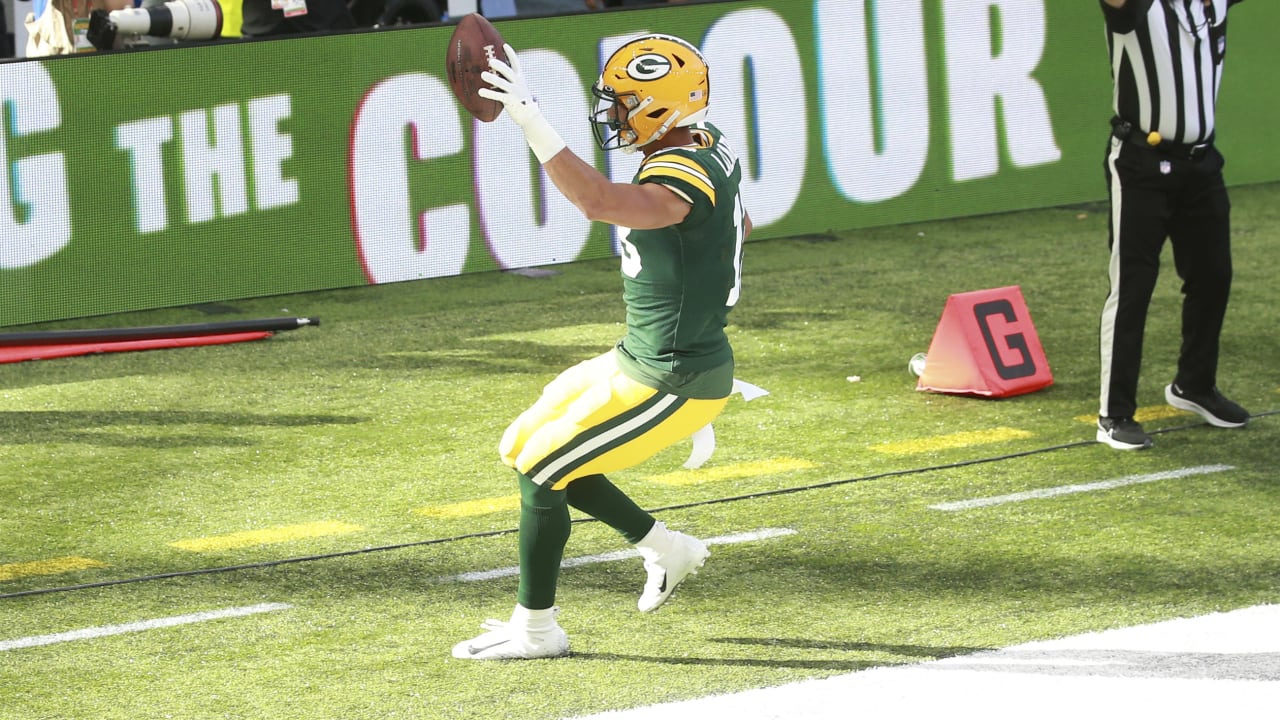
(504, 642)
(682, 557)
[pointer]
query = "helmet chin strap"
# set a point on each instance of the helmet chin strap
(666, 126)
(662, 129)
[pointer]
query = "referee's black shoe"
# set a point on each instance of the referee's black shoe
(1213, 406)
(1122, 433)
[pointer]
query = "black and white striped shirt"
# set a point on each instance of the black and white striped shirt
(1166, 60)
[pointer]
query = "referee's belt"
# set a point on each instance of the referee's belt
(1125, 131)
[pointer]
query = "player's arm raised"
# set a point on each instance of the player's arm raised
(638, 207)
(633, 206)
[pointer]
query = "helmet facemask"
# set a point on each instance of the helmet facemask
(612, 129)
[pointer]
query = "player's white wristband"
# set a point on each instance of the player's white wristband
(543, 139)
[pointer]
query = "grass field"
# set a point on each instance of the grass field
(314, 507)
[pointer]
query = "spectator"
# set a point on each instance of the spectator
(260, 19)
(52, 32)
(230, 18)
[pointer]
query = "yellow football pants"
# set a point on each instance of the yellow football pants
(593, 419)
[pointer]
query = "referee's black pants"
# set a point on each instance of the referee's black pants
(1157, 195)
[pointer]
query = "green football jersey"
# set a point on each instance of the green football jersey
(679, 282)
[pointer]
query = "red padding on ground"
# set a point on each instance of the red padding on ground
(20, 353)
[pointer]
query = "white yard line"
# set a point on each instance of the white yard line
(1224, 665)
(140, 626)
(143, 625)
(742, 537)
(1087, 487)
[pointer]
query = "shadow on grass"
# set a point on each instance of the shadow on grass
(481, 358)
(836, 665)
(32, 426)
(912, 652)
(1246, 667)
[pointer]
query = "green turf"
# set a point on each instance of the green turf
(396, 402)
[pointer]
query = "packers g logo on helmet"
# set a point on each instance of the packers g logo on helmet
(650, 85)
(650, 66)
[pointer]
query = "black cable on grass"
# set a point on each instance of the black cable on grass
(509, 531)
(252, 566)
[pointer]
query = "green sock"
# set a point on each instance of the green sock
(544, 530)
(602, 500)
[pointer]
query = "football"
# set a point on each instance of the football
(474, 41)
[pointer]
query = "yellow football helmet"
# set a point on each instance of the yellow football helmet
(650, 85)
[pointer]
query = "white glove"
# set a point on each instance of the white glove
(510, 89)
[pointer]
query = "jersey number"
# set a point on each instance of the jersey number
(632, 265)
(738, 239)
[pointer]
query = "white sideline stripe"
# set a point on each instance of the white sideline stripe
(1222, 665)
(1050, 663)
(106, 630)
(763, 534)
(1087, 487)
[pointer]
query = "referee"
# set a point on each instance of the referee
(1164, 178)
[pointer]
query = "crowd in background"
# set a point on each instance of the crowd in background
(56, 27)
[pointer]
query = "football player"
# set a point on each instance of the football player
(682, 225)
